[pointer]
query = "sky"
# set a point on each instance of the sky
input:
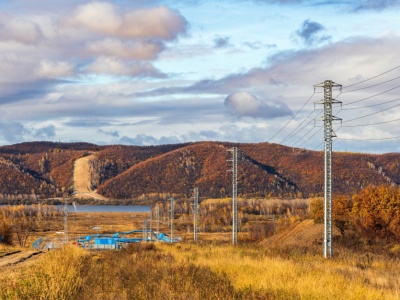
(148, 72)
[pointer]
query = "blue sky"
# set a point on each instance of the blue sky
(154, 72)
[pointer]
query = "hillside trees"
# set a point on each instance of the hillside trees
(19, 222)
(376, 211)
(373, 213)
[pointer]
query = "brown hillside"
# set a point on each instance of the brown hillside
(14, 182)
(131, 171)
(264, 170)
(115, 160)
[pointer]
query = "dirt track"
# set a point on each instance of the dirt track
(305, 234)
(82, 186)
(16, 258)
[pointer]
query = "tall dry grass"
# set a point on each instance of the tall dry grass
(205, 271)
(58, 276)
(291, 274)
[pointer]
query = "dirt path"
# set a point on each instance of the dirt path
(17, 258)
(304, 234)
(82, 185)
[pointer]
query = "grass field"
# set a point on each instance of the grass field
(211, 269)
(206, 271)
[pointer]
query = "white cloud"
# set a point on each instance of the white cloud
(140, 49)
(18, 30)
(115, 66)
(51, 69)
(104, 18)
(100, 17)
(244, 104)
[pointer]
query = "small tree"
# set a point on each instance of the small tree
(23, 228)
(6, 233)
(376, 211)
(317, 210)
(341, 210)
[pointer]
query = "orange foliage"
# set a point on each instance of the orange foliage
(376, 211)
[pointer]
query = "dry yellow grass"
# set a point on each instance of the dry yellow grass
(300, 277)
(190, 270)
(244, 272)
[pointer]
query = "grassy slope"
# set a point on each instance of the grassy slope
(203, 272)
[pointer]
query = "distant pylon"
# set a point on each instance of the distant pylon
(145, 229)
(151, 223)
(158, 219)
(172, 219)
(65, 218)
(195, 212)
(328, 118)
(234, 161)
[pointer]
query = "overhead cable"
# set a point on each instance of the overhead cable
(373, 77)
(361, 125)
(388, 138)
(350, 108)
(292, 117)
(367, 87)
(363, 99)
(294, 130)
(371, 114)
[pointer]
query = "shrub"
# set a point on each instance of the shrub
(317, 210)
(376, 212)
(6, 233)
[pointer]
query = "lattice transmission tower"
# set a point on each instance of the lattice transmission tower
(195, 213)
(328, 118)
(65, 196)
(158, 219)
(234, 161)
(172, 219)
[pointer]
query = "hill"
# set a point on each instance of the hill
(126, 172)
(303, 234)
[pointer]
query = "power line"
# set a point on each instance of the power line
(367, 87)
(319, 145)
(320, 128)
(350, 108)
(372, 123)
(372, 77)
(310, 137)
(371, 96)
(388, 138)
(305, 136)
(292, 133)
(371, 114)
(307, 131)
(292, 117)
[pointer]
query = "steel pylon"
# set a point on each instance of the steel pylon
(234, 161)
(328, 119)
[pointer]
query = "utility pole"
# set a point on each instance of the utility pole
(234, 195)
(65, 218)
(158, 219)
(195, 212)
(151, 224)
(328, 118)
(172, 219)
(145, 229)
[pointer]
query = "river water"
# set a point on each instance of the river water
(108, 208)
(105, 208)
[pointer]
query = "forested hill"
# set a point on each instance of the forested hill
(131, 172)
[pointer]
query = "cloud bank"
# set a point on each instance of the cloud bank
(243, 104)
